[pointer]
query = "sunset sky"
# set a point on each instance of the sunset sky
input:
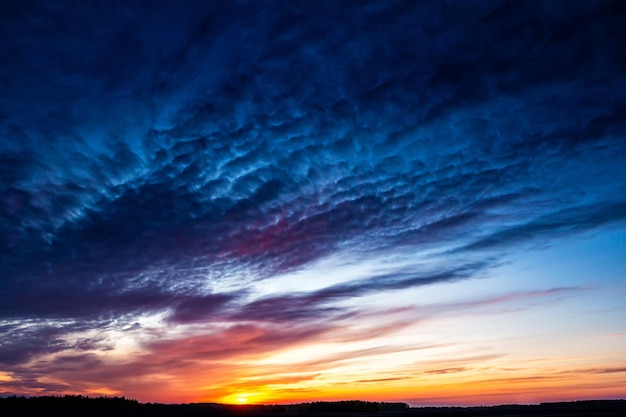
(289, 201)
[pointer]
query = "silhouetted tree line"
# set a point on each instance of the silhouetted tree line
(69, 406)
(81, 406)
(354, 406)
(592, 408)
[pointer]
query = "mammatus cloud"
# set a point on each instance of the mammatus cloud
(171, 162)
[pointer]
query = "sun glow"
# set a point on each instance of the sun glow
(242, 398)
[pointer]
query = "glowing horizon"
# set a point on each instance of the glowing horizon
(254, 203)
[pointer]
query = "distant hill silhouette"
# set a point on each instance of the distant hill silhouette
(81, 406)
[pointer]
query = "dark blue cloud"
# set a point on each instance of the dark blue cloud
(152, 156)
(318, 304)
(24, 339)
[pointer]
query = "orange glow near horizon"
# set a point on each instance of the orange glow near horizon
(474, 347)
(427, 374)
(424, 375)
(474, 380)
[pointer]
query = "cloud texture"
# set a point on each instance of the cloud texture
(172, 160)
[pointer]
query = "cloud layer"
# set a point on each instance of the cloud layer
(170, 160)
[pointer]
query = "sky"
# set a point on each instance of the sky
(287, 201)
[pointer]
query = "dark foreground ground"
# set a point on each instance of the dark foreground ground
(79, 406)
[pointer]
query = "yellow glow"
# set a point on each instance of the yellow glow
(243, 398)
(104, 391)
(5, 377)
